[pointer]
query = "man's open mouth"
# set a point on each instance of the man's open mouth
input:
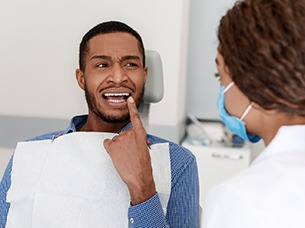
(116, 97)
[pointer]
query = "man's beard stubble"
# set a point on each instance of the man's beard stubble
(91, 102)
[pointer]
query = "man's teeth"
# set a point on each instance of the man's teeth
(116, 94)
(115, 97)
(116, 101)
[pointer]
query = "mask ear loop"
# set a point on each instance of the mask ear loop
(228, 87)
(246, 111)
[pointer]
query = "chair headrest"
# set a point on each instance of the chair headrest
(154, 89)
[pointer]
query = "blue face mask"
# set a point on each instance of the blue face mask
(235, 125)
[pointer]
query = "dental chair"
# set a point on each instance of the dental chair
(154, 89)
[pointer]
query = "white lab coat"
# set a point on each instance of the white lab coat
(268, 194)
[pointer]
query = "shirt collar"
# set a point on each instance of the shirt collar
(78, 121)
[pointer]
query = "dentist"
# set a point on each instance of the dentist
(261, 68)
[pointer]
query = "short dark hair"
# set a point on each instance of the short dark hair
(263, 46)
(105, 28)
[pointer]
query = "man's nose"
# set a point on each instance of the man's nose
(118, 74)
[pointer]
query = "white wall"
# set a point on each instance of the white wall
(39, 53)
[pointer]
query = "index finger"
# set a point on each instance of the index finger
(134, 115)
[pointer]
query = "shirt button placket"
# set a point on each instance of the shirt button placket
(131, 220)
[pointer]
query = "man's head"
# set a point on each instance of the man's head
(263, 47)
(104, 28)
(112, 68)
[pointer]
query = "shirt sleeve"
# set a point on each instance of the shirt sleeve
(183, 205)
(147, 214)
(4, 186)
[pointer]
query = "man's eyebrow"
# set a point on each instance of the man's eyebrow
(100, 57)
(216, 61)
(128, 57)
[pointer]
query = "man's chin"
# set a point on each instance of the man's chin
(115, 119)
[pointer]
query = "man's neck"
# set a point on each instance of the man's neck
(96, 124)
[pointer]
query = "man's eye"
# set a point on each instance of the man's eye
(131, 64)
(102, 65)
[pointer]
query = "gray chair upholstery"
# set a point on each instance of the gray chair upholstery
(154, 88)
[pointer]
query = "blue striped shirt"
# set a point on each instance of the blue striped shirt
(183, 204)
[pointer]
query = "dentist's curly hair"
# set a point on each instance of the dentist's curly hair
(263, 46)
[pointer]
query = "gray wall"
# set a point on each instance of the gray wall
(202, 87)
(19, 128)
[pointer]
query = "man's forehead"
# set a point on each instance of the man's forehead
(115, 45)
(115, 39)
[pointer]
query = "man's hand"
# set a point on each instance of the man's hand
(130, 156)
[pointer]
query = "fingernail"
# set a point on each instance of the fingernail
(130, 99)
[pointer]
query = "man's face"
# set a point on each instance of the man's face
(113, 72)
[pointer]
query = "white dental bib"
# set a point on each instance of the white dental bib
(71, 182)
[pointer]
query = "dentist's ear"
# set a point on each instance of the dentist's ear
(80, 77)
(259, 108)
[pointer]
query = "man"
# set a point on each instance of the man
(112, 73)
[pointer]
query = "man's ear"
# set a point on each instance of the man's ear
(80, 77)
(145, 75)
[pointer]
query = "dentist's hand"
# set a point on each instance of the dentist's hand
(130, 156)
